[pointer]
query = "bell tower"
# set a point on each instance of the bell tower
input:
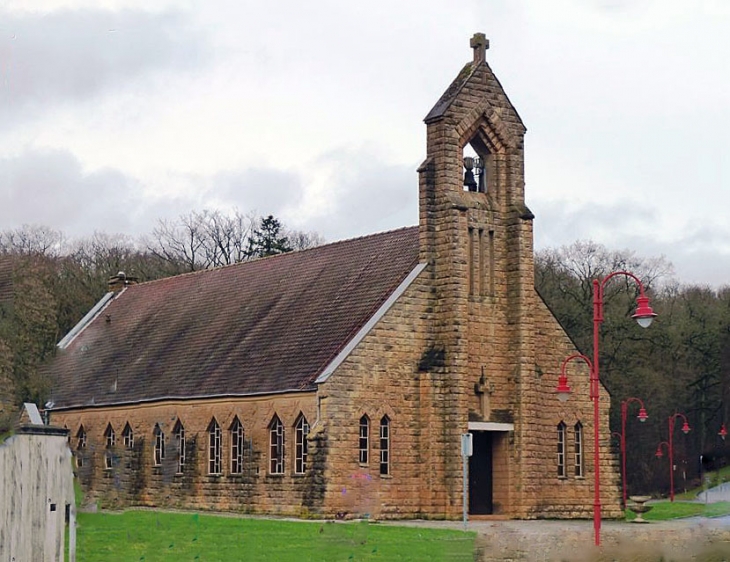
(476, 237)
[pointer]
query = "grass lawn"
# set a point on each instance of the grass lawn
(685, 504)
(663, 510)
(153, 535)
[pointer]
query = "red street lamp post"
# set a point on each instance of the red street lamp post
(670, 448)
(643, 316)
(642, 417)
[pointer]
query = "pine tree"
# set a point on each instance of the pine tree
(268, 239)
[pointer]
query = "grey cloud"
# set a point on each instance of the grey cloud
(50, 188)
(265, 191)
(72, 55)
(559, 222)
(700, 254)
(368, 196)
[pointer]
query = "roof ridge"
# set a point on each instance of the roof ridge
(259, 259)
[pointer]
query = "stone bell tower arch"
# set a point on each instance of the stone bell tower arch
(476, 237)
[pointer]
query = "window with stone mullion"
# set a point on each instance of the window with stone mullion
(237, 440)
(301, 450)
(80, 446)
(562, 471)
(179, 433)
(385, 446)
(276, 446)
(579, 449)
(159, 452)
(364, 446)
(214, 447)
(111, 441)
(128, 436)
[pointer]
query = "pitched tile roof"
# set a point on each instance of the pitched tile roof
(268, 325)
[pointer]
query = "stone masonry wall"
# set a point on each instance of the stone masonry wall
(133, 480)
(493, 328)
(572, 496)
(481, 265)
(396, 372)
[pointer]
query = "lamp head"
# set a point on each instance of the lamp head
(563, 389)
(643, 416)
(723, 432)
(659, 453)
(644, 314)
(685, 428)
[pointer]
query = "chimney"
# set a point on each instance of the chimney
(117, 282)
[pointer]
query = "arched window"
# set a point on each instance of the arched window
(214, 447)
(178, 433)
(80, 446)
(111, 441)
(81, 438)
(276, 446)
(562, 472)
(128, 436)
(159, 442)
(385, 445)
(110, 436)
(579, 449)
(301, 429)
(364, 444)
(237, 439)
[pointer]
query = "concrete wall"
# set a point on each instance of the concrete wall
(36, 485)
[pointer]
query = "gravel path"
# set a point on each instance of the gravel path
(695, 538)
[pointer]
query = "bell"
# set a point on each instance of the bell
(469, 181)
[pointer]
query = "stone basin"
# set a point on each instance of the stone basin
(639, 507)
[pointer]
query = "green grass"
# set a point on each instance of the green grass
(714, 478)
(78, 494)
(664, 510)
(153, 535)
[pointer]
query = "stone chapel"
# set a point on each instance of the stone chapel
(338, 381)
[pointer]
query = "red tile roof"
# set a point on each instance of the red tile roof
(269, 325)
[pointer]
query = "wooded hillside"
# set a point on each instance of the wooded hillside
(681, 363)
(47, 284)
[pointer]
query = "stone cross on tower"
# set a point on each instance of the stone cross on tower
(480, 44)
(482, 389)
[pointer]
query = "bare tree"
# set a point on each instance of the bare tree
(301, 240)
(32, 240)
(200, 240)
(228, 236)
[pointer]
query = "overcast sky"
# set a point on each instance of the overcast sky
(114, 114)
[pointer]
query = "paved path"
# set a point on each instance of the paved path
(695, 538)
(719, 493)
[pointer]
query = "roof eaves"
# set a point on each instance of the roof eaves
(86, 320)
(374, 319)
(173, 398)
